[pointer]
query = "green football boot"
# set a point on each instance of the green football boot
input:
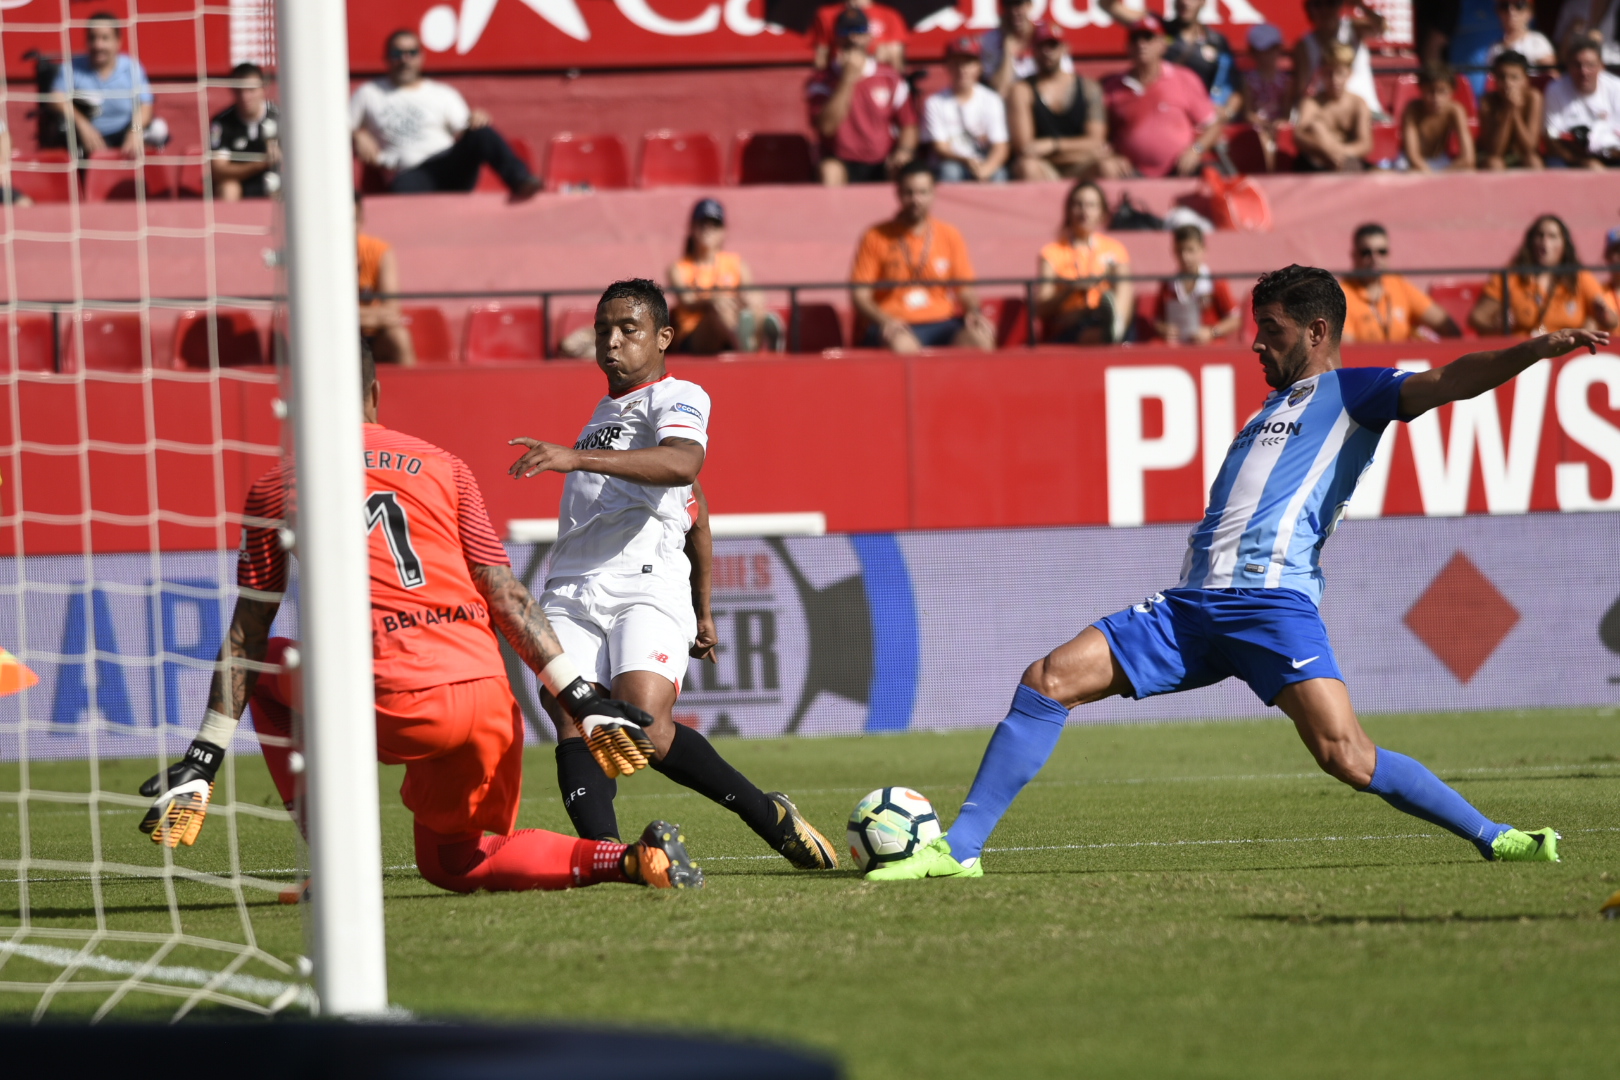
(932, 860)
(1538, 845)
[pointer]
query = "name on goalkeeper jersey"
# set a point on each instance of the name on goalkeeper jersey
(382, 459)
(407, 620)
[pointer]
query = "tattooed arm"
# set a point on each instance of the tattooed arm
(248, 639)
(517, 615)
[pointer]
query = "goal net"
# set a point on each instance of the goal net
(139, 398)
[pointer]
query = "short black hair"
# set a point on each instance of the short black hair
(247, 71)
(1370, 228)
(403, 31)
(368, 365)
(913, 167)
(106, 17)
(1183, 233)
(1511, 58)
(644, 292)
(1584, 43)
(1436, 74)
(1306, 293)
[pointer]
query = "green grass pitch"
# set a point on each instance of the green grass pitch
(1188, 900)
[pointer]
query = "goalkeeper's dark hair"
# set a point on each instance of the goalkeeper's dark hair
(1306, 293)
(368, 366)
(643, 292)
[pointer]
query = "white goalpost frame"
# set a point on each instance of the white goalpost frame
(340, 739)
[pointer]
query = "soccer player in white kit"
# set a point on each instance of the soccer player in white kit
(628, 588)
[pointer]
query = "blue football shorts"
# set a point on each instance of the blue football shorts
(1187, 638)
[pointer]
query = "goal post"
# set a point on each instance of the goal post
(345, 842)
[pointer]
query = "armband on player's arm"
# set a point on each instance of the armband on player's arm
(180, 794)
(613, 730)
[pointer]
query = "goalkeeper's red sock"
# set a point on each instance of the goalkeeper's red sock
(271, 712)
(528, 859)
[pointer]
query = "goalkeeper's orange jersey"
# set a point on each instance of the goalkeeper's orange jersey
(427, 523)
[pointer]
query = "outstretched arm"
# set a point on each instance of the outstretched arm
(1472, 375)
(517, 615)
(675, 462)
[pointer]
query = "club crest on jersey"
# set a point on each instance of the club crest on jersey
(1300, 393)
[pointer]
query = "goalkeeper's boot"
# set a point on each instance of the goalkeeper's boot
(797, 840)
(659, 859)
(1537, 845)
(1611, 907)
(934, 859)
(180, 795)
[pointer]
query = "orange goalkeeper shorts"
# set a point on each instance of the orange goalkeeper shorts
(462, 748)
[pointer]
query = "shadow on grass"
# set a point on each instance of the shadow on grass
(1466, 779)
(1449, 917)
(36, 911)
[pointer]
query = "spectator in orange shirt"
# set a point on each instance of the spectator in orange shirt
(1557, 295)
(380, 322)
(1085, 294)
(1380, 306)
(1193, 308)
(716, 313)
(911, 249)
(1611, 255)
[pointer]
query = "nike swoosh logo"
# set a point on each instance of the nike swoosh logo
(1301, 663)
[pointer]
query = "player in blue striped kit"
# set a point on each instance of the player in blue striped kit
(1246, 605)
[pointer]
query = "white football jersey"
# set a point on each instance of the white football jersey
(612, 526)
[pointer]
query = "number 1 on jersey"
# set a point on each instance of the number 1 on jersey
(383, 508)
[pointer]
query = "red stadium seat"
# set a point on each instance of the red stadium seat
(679, 159)
(1245, 149)
(490, 180)
(772, 157)
(566, 322)
(1458, 300)
(1009, 315)
(35, 346)
(190, 180)
(820, 327)
(46, 176)
(501, 333)
(1386, 143)
(586, 162)
(430, 332)
(110, 177)
(1287, 149)
(109, 341)
(238, 336)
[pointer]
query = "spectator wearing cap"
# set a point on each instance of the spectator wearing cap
(1085, 296)
(1009, 49)
(886, 25)
(1160, 118)
(421, 131)
(1583, 111)
(715, 310)
(1266, 100)
(244, 141)
(104, 93)
(896, 266)
(1202, 51)
(1194, 308)
(1381, 306)
(1510, 117)
(862, 110)
(966, 123)
(1057, 120)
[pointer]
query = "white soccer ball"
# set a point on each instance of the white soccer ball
(890, 824)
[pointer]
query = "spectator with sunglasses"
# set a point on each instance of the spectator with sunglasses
(1056, 118)
(423, 134)
(1381, 306)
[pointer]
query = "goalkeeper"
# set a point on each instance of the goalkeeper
(439, 580)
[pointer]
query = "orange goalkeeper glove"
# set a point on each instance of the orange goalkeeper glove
(614, 730)
(180, 795)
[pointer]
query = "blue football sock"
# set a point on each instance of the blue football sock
(1020, 746)
(1407, 785)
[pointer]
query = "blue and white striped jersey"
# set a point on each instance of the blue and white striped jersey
(1286, 480)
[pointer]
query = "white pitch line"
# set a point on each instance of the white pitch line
(245, 985)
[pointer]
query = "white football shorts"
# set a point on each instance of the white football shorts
(610, 625)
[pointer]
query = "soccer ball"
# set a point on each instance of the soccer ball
(888, 825)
